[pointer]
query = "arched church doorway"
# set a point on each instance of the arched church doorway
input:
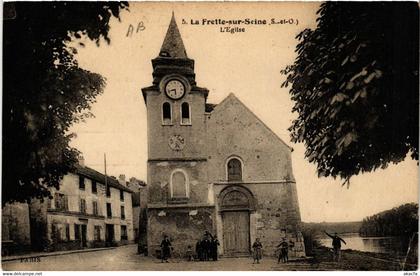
(236, 202)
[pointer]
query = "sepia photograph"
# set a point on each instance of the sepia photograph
(210, 136)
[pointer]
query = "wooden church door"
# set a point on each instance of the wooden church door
(236, 233)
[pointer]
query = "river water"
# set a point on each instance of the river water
(392, 245)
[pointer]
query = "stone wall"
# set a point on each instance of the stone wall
(184, 226)
(15, 223)
(159, 180)
(158, 134)
(233, 130)
(274, 217)
(16, 227)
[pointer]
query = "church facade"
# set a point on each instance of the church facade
(215, 168)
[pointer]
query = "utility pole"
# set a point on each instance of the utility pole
(106, 177)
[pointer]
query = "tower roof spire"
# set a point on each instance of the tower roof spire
(172, 44)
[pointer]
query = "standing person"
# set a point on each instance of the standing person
(198, 250)
(206, 247)
(214, 244)
(284, 251)
(166, 246)
(257, 254)
(336, 243)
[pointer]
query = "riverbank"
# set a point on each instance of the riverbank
(357, 260)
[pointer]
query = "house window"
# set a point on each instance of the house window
(56, 232)
(97, 233)
(108, 210)
(185, 114)
(179, 184)
(124, 232)
(108, 191)
(77, 232)
(81, 182)
(121, 195)
(95, 207)
(234, 170)
(67, 231)
(60, 201)
(122, 212)
(82, 206)
(94, 187)
(166, 114)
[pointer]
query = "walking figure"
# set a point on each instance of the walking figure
(166, 247)
(336, 243)
(284, 251)
(257, 248)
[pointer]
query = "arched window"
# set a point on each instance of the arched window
(185, 114)
(166, 114)
(234, 170)
(179, 184)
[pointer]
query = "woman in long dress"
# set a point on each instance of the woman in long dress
(166, 249)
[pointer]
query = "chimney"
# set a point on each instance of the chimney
(121, 179)
(81, 160)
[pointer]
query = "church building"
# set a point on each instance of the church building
(215, 168)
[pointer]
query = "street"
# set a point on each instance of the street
(125, 258)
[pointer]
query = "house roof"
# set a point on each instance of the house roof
(172, 46)
(100, 178)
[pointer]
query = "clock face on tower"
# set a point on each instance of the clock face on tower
(176, 142)
(175, 89)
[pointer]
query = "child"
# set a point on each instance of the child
(190, 254)
(257, 247)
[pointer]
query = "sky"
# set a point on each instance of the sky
(245, 63)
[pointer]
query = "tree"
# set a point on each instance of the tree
(400, 221)
(355, 87)
(45, 90)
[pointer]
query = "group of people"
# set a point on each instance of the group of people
(282, 248)
(206, 247)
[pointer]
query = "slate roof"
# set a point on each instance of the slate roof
(100, 178)
(173, 46)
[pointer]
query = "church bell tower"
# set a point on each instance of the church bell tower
(175, 104)
(175, 125)
(177, 155)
